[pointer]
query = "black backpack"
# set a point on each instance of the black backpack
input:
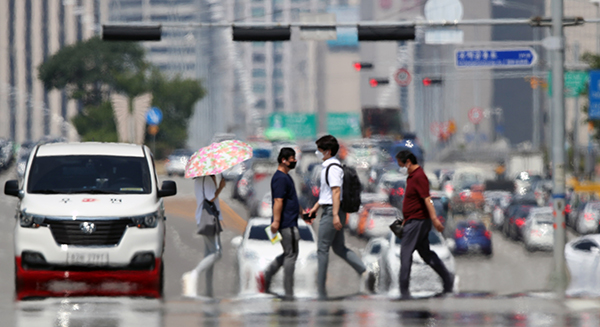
(350, 188)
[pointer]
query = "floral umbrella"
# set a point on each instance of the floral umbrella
(217, 157)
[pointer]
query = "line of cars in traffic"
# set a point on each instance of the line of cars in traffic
(527, 216)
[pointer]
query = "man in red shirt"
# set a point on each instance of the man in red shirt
(419, 216)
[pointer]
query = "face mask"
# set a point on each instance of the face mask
(403, 170)
(319, 155)
(292, 165)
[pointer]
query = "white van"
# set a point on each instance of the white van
(90, 221)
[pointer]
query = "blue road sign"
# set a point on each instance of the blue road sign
(495, 58)
(594, 94)
(154, 116)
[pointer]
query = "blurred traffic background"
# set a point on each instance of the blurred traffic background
(482, 134)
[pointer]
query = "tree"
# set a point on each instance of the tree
(176, 98)
(91, 69)
(97, 123)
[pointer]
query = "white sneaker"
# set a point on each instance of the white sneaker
(367, 282)
(189, 284)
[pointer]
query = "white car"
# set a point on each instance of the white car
(379, 220)
(90, 221)
(588, 220)
(254, 253)
(583, 261)
(365, 198)
(176, 162)
(538, 232)
(390, 183)
(382, 256)
(264, 208)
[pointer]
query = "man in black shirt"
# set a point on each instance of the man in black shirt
(286, 209)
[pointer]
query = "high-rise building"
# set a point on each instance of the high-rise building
(30, 32)
(176, 52)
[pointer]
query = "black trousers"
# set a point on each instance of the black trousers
(416, 237)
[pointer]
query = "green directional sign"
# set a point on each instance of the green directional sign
(575, 82)
(304, 126)
(344, 125)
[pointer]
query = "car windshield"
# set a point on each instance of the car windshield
(543, 217)
(89, 174)
(394, 183)
(473, 227)
(438, 205)
(182, 152)
(258, 232)
(384, 213)
(595, 206)
(522, 211)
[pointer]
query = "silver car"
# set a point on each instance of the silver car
(588, 220)
(176, 162)
(538, 232)
(379, 220)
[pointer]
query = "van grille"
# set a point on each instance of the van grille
(69, 232)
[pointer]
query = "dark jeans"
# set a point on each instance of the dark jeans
(416, 237)
(289, 241)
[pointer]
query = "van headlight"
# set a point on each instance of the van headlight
(146, 221)
(29, 220)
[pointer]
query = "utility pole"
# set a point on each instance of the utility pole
(558, 146)
(576, 161)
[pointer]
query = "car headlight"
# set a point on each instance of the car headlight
(29, 220)
(146, 221)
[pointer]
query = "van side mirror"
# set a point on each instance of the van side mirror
(168, 188)
(12, 188)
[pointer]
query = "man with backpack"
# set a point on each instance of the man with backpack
(333, 217)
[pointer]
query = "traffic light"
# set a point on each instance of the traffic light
(362, 65)
(385, 33)
(257, 34)
(429, 81)
(375, 82)
(131, 32)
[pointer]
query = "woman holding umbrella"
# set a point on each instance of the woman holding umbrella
(203, 167)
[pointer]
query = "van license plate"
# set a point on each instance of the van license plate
(87, 259)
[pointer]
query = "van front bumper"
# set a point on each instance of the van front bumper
(88, 282)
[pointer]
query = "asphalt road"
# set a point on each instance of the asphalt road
(486, 285)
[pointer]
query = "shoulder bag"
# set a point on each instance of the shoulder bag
(397, 227)
(209, 221)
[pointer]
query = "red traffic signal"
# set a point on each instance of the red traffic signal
(362, 65)
(428, 81)
(374, 82)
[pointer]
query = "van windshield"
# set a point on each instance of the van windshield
(89, 174)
